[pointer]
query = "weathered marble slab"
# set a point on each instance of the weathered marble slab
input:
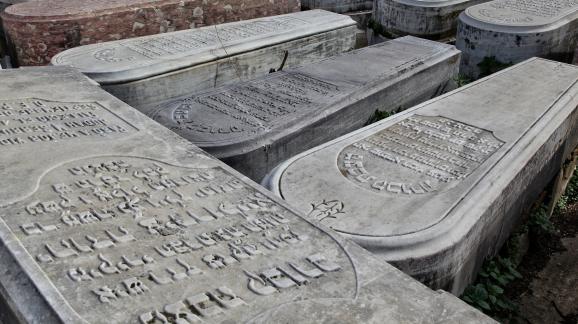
(255, 125)
(339, 6)
(431, 19)
(40, 29)
(514, 30)
(437, 188)
(111, 218)
(149, 69)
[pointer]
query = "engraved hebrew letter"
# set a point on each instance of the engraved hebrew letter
(321, 262)
(134, 286)
(181, 313)
(226, 298)
(258, 285)
(203, 304)
(277, 278)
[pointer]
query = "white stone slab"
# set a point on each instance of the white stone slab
(431, 19)
(339, 6)
(108, 217)
(253, 126)
(514, 30)
(437, 188)
(157, 67)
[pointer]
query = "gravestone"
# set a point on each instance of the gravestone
(38, 30)
(150, 69)
(339, 6)
(254, 125)
(503, 32)
(437, 188)
(111, 218)
(431, 19)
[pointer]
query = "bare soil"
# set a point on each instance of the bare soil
(548, 290)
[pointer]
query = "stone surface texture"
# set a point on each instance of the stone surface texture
(255, 125)
(513, 31)
(339, 6)
(361, 17)
(438, 188)
(38, 30)
(111, 218)
(431, 19)
(146, 70)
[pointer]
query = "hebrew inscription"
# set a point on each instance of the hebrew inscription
(193, 40)
(247, 108)
(144, 241)
(417, 155)
(29, 121)
(527, 11)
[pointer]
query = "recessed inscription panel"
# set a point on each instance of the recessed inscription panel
(247, 110)
(31, 121)
(417, 155)
(130, 240)
(523, 12)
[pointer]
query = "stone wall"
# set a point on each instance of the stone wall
(38, 30)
